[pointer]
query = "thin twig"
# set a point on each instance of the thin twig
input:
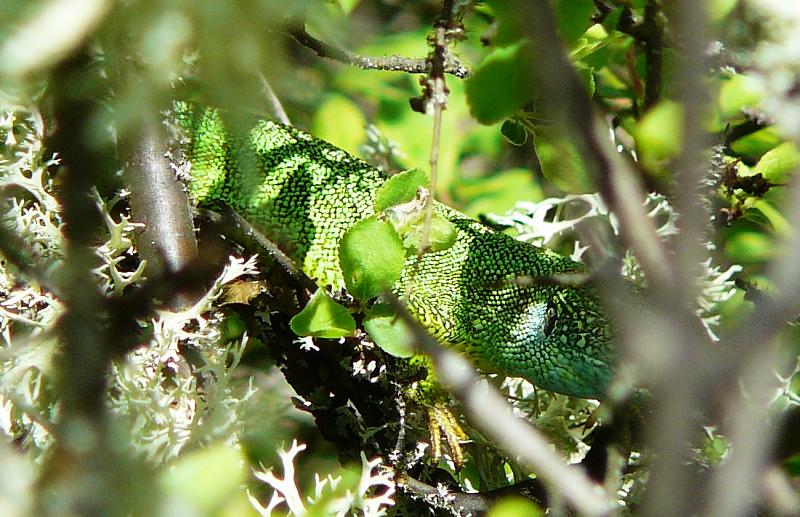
(274, 101)
(393, 63)
(653, 47)
(434, 97)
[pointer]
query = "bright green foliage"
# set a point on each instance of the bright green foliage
(758, 143)
(206, 478)
(439, 235)
(403, 200)
(400, 188)
(372, 257)
(574, 17)
(340, 122)
(306, 195)
(658, 133)
(323, 317)
(388, 331)
(498, 87)
(515, 507)
(777, 164)
(738, 92)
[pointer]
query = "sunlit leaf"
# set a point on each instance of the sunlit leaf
(757, 143)
(658, 135)
(750, 247)
(574, 17)
(441, 234)
(400, 188)
(499, 86)
(348, 5)
(372, 257)
(499, 192)
(515, 507)
(388, 331)
(323, 317)
(778, 163)
(205, 479)
(340, 121)
(738, 92)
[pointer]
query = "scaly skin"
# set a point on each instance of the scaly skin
(304, 194)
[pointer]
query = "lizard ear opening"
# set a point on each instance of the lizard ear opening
(550, 318)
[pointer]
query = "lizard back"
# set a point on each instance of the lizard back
(304, 194)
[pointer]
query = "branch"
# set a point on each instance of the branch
(653, 46)
(160, 202)
(274, 101)
(393, 63)
(473, 503)
(97, 476)
(434, 97)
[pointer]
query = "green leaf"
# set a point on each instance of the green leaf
(498, 193)
(778, 163)
(659, 133)
(372, 257)
(400, 188)
(205, 479)
(340, 122)
(587, 78)
(611, 20)
(388, 331)
(323, 317)
(780, 225)
(515, 506)
(514, 132)
(574, 17)
(740, 91)
(757, 143)
(719, 9)
(441, 234)
(561, 162)
(348, 5)
(747, 247)
(498, 87)
(793, 465)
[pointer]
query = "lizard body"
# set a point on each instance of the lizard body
(304, 194)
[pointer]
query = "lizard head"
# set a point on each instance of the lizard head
(556, 337)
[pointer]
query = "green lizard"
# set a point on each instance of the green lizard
(304, 194)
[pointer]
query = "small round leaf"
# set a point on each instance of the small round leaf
(388, 331)
(400, 188)
(323, 317)
(372, 257)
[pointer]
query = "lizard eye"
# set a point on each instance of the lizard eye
(550, 318)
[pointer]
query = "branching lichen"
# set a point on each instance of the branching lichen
(157, 390)
(369, 495)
